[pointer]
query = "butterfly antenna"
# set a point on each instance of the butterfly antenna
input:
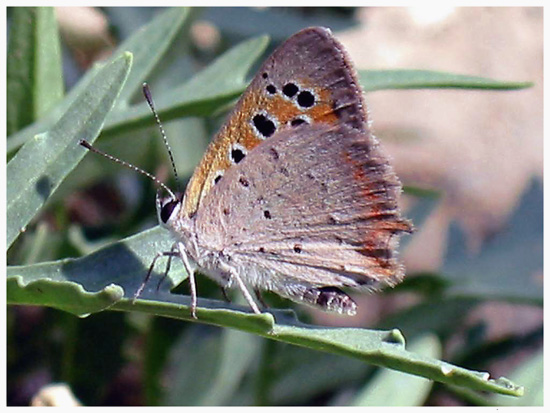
(149, 98)
(88, 146)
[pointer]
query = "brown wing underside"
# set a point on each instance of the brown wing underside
(318, 204)
(307, 80)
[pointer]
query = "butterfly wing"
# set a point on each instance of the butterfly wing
(307, 80)
(315, 206)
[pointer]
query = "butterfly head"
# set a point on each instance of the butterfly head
(168, 208)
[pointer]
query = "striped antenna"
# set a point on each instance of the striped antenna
(149, 98)
(88, 146)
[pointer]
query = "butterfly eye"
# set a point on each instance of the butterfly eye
(166, 211)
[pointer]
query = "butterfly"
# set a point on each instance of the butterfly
(294, 194)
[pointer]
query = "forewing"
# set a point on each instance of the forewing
(307, 80)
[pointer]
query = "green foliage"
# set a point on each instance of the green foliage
(34, 75)
(259, 359)
(415, 79)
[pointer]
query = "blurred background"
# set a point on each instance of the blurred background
(478, 152)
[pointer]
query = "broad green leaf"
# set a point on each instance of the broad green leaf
(34, 75)
(146, 45)
(393, 388)
(36, 171)
(372, 80)
(67, 296)
(125, 263)
(122, 263)
(509, 266)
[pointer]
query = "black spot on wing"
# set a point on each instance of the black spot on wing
(306, 99)
(290, 89)
(265, 126)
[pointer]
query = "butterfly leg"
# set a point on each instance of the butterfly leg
(259, 297)
(246, 294)
(225, 296)
(170, 254)
(192, 284)
(235, 276)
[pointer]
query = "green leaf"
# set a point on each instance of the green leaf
(426, 203)
(223, 358)
(125, 263)
(67, 296)
(146, 45)
(294, 374)
(36, 171)
(196, 350)
(508, 267)
(392, 388)
(421, 318)
(34, 75)
(238, 351)
(372, 80)
(215, 86)
(278, 23)
(49, 88)
(530, 373)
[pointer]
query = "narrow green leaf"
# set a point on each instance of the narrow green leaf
(239, 350)
(49, 88)
(197, 350)
(147, 46)
(36, 171)
(19, 69)
(34, 76)
(218, 84)
(125, 264)
(278, 23)
(393, 388)
(223, 358)
(372, 80)
(530, 373)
